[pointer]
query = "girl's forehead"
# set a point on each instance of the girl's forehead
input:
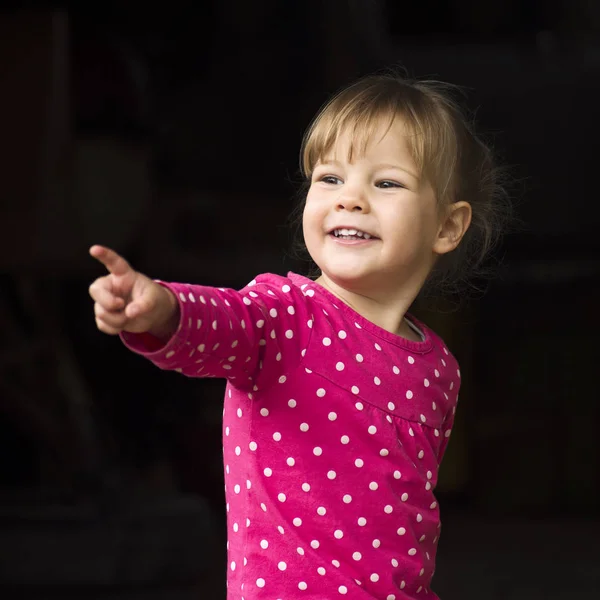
(354, 141)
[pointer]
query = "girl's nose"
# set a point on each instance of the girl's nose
(353, 201)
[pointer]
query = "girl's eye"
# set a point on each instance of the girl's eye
(386, 185)
(331, 180)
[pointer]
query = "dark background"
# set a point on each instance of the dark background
(171, 132)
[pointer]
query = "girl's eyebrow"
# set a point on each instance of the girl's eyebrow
(397, 167)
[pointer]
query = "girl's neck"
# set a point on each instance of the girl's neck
(387, 311)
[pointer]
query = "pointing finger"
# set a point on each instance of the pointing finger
(114, 262)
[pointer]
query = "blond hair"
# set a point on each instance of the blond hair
(446, 151)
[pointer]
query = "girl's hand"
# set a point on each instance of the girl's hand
(125, 300)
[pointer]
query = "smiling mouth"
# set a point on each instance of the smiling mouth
(351, 234)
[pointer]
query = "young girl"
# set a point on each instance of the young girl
(339, 404)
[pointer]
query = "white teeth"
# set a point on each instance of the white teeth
(351, 232)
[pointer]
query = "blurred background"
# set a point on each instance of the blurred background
(171, 132)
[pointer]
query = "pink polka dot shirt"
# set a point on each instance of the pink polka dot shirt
(333, 433)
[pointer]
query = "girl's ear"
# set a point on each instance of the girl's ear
(453, 226)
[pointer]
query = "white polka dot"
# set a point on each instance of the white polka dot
(404, 497)
(252, 446)
(264, 412)
(384, 452)
(359, 462)
(377, 381)
(291, 310)
(309, 323)
(345, 439)
(372, 429)
(268, 472)
(321, 510)
(236, 527)
(388, 509)
(300, 551)
(321, 571)
(236, 488)
(373, 485)
(290, 461)
(233, 565)
(304, 427)
(411, 360)
(433, 505)
(419, 517)
(238, 450)
(281, 497)
(423, 418)
(340, 366)
(412, 551)
(273, 312)
(376, 543)
(359, 358)
(321, 392)
(260, 583)
(347, 498)
(317, 451)
(343, 590)
(397, 475)
(395, 563)
(297, 522)
(396, 370)
(342, 334)
(264, 544)
(306, 487)
(262, 505)
(436, 373)
(338, 534)
(280, 529)
(391, 406)
(314, 544)
(332, 416)
(354, 389)
(357, 556)
(286, 288)
(336, 563)
(239, 413)
(359, 406)
(377, 347)
(401, 531)
(362, 521)
(277, 436)
(391, 597)
(409, 394)
(292, 403)
(302, 585)
(426, 382)
(326, 342)
(374, 577)
(331, 474)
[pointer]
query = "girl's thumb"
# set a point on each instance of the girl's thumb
(133, 310)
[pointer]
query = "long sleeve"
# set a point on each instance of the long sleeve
(252, 337)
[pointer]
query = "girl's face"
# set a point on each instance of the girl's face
(370, 224)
